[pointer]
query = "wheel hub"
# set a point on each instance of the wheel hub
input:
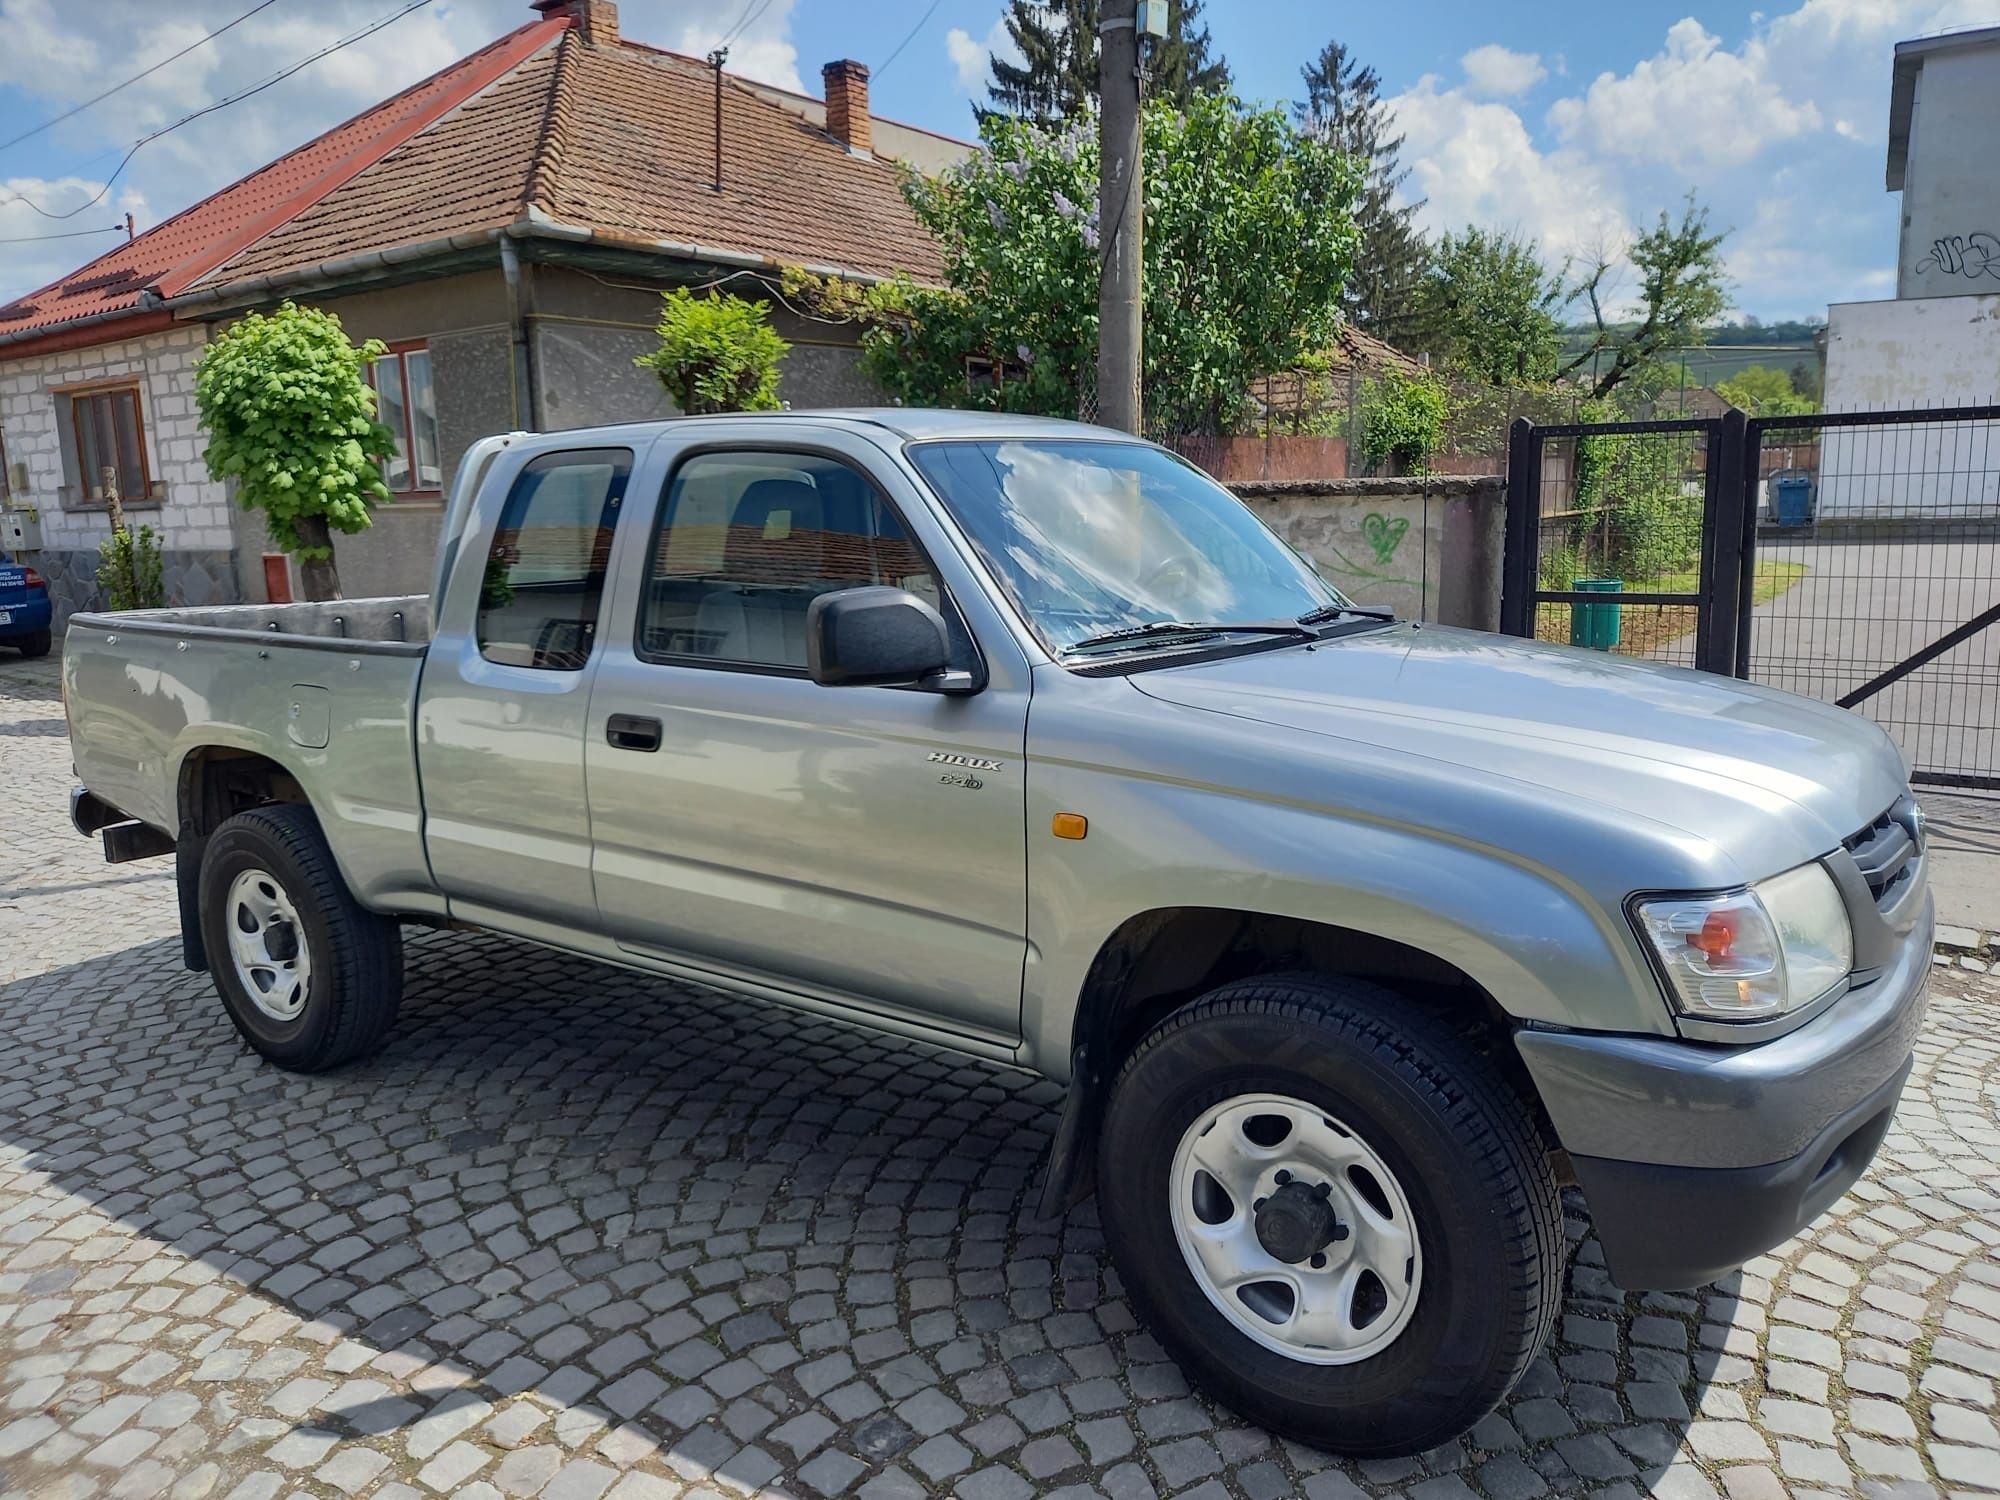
(1264, 1188)
(266, 945)
(1297, 1222)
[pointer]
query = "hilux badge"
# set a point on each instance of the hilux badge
(970, 762)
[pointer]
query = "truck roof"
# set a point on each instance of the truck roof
(908, 422)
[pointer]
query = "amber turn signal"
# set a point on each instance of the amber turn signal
(1069, 825)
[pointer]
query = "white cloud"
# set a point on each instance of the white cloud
(1499, 73)
(763, 50)
(1474, 161)
(973, 56)
(1692, 105)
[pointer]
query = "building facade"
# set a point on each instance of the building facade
(1936, 344)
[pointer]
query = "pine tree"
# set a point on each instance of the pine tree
(1057, 40)
(1343, 105)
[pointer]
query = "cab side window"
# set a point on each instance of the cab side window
(544, 576)
(748, 540)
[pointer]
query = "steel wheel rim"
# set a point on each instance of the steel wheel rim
(1360, 1298)
(267, 945)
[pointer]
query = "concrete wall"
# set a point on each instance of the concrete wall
(1427, 548)
(1950, 244)
(189, 510)
(1923, 352)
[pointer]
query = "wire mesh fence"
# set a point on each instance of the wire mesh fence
(1877, 577)
(1620, 512)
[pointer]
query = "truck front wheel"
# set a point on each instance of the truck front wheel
(1333, 1212)
(311, 979)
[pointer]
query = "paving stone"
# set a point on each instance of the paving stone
(581, 1233)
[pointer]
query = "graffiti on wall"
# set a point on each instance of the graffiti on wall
(1969, 255)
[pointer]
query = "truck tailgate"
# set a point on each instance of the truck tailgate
(147, 695)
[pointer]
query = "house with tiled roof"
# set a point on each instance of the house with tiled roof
(506, 227)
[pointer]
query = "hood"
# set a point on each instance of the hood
(1769, 778)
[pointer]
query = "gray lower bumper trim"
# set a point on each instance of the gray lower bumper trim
(1678, 1103)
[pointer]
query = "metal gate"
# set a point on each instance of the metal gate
(1850, 556)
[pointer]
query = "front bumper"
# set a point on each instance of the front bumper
(1695, 1158)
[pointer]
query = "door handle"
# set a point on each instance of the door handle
(632, 732)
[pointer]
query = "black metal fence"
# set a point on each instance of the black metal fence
(1850, 556)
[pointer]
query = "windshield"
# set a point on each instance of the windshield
(1093, 537)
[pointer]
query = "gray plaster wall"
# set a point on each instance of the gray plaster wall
(1427, 548)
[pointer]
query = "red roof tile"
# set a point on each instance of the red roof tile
(171, 256)
(615, 140)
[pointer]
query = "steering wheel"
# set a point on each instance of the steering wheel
(1185, 563)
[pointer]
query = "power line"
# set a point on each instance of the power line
(72, 234)
(752, 9)
(922, 21)
(237, 98)
(136, 77)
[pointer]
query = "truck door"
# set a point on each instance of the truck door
(859, 845)
(500, 722)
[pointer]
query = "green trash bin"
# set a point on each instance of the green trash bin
(1595, 625)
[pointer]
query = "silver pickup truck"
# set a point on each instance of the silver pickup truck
(1355, 940)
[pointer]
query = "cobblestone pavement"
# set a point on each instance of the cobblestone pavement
(576, 1233)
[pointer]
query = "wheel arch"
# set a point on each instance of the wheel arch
(213, 783)
(1158, 961)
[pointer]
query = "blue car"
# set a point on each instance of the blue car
(24, 609)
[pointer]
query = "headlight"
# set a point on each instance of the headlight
(1754, 954)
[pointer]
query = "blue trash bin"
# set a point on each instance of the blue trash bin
(1792, 497)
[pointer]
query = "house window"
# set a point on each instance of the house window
(407, 406)
(110, 444)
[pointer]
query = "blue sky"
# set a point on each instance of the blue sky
(1568, 121)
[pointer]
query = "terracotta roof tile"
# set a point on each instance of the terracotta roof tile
(620, 141)
(172, 255)
(615, 140)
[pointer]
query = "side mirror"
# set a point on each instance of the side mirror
(875, 637)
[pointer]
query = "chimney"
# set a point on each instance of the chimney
(596, 21)
(847, 105)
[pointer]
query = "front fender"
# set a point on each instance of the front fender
(1542, 949)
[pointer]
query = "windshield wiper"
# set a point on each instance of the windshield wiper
(1182, 629)
(1328, 612)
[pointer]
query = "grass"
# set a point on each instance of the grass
(1645, 628)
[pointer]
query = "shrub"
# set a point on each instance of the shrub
(128, 569)
(1403, 418)
(717, 353)
(291, 420)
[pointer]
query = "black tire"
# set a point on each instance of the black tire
(35, 643)
(356, 957)
(1460, 1141)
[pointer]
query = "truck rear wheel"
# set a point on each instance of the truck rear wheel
(1333, 1212)
(310, 978)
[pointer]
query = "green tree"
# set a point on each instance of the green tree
(1681, 291)
(1248, 241)
(291, 420)
(1343, 106)
(1488, 306)
(1764, 392)
(1057, 76)
(716, 353)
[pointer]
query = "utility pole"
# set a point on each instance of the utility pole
(1120, 216)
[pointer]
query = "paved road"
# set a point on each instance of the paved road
(577, 1233)
(1864, 606)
